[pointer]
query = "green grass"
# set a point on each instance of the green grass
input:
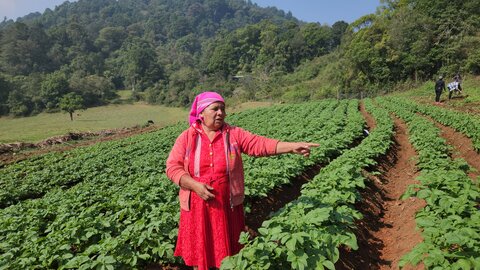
(469, 101)
(44, 125)
(247, 106)
(124, 94)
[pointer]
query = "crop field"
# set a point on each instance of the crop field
(394, 183)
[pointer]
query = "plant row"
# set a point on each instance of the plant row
(128, 217)
(307, 233)
(462, 122)
(34, 177)
(450, 222)
(334, 127)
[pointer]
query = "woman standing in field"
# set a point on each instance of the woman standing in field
(206, 159)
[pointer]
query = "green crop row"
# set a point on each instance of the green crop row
(335, 128)
(127, 215)
(34, 177)
(307, 232)
(465, 123)
(450, 222)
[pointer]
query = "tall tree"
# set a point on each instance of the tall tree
(5, 89)
(110, 39)
(94, 89)
(338, 29)
(137, 62)
(23, 49)
(53, 88)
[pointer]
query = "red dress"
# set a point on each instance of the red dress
(210, 231)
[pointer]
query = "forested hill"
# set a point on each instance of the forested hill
(165, 51)
(406, 42)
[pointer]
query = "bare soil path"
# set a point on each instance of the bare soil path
(462, 148)
(388, 230)
(65, 143)
(401, 236)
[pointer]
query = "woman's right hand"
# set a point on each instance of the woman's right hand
(203, 191)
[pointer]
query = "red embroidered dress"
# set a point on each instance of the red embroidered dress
(209, 232)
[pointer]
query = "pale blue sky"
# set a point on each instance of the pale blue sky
(322, 11)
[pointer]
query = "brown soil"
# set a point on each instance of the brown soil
(456, 103)
(401, 236)
(19, 151)
(370, 120)
(462, 148)
(388, 230)
(262, 208)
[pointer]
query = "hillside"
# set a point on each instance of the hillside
(402, 45)
(165, 51)
(393, 184)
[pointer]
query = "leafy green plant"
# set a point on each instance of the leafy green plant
(450, 221)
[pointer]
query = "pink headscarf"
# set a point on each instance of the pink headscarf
(202, 101)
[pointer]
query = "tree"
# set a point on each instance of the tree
(18, 103)
(223, 60)
(95, 90)
(137, 63)
(5, 89)
(70, 103)
(53, 87)
(110, 39)
(318, 39)
(338, 29)
(23, 49)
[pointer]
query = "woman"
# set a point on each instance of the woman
(206, 163)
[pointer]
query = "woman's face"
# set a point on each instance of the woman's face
(214, 115)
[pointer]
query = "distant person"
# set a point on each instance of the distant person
(454, 86)
(206, 162)
(458, 77)
(439, 88)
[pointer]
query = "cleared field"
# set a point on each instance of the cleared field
(44, 125)
(469, 101)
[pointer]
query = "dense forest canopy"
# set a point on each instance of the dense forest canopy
(167, 51)
(413, 39)
(160, 49)
(405, 42)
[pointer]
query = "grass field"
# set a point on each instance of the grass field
(45, 125)
(469, 101)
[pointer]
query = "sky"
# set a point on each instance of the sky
(322, 11)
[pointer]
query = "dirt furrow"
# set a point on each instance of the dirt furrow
(388, 229)
(462, 148)
(401, 235)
